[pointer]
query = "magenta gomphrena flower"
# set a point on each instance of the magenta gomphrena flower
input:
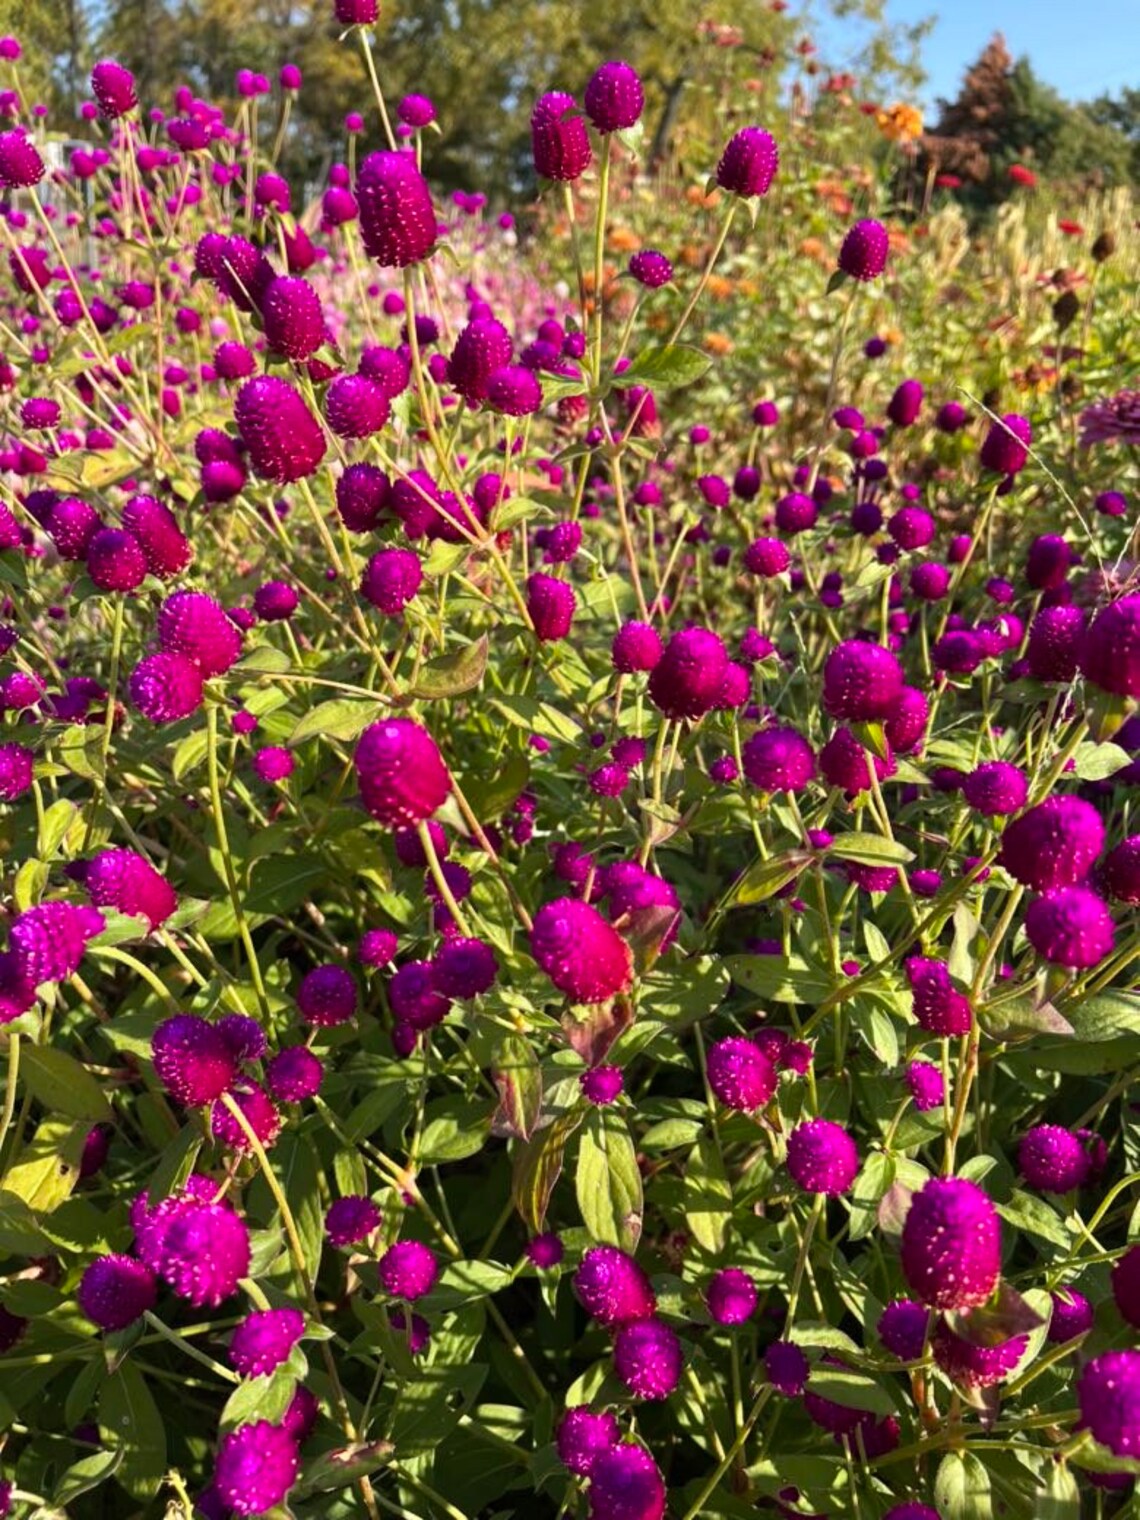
(651, 268)
(356, 12)
(778, 760)
(114, 1291)
(582, 1436)
(294, 1074)
(902, 1329)
(938, 1005)
(1054, 844)
(123, 880)
(293, 317)
(257, 1464)
(731, 1297)
(464, 968)
(1056, 637)
(686, 682)
(327, 996)
(20, 163)
(165, 687)
(1072, 1316)
(1111, 655)
(200, 1249)
(408, 1270)
(273, 764)
(46, 943)
(259, 1112)
(614, 97)
(863, 255)
(996, 788)
(559, 139)
(602, 1085)
(1108, 1392)
(351, 1219)
(951, 1244)
(397, 218)
(1006, 445)
(648, 1358)
(843, 762)
(973, 1366)
(912, 1512)
(413, 997)
(626, 1485)
(71, 524)
(1070, 927)
(550, 605)
(264, 1340)
(416, 111)
(767, 557)
(862, 682)
(787, 1368)
(740, 1074)
(636, 646)
(194, 625)
(1053, 1159)
(906, 403)
(167, 549)
(822, 1157)
(115, 560)
(1126, 1285)
(401, 773)
(927, 1089)
(17, 764)
(284, 439)
(113, 86)
(481, 349)
(355, 407)
(1047, 563)
(391, 579)
(514, 390)
(377, 947)
(193, 1060)
(361, 495)
(583, 955)
(613, 1288)
(1120, 874)
(545, 1251)
(748, 164)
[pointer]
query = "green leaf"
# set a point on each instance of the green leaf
(337, 1469)
(188, 755)
(1105, 1016)
(28, 887)
(62, 1085)
(870, 849)
(259, 1398)
(854, 1390)
(1034, 1216)
(449, 675)
(82, 1476)
(343, 718)
(871, 1185)
(454, 1128)
(175, 1164)
(462, 1282)
(294, 1159)
(20, 1235)
(266, 660)
(962, 1488)
(80, 750)
(518, 1077)
(1097, 762)
(666, 365)
(54, 826)
(876, 1027)
(46, 1170)
(608, 1182)
(428, 1409)
(130, 1422)
(537, 1166)
(764, 878)
(538, 717)
(491, 797)
(779, 978)
(838, 279)
(445, 557)
(707, 1197)
(1060, 1497)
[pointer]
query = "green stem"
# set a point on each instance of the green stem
(228, 861)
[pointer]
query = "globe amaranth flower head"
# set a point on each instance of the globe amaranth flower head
(264, 1340)
(975, 1366)
(258, 1111)
(612, 1288)
(614, 97)
(651, 268)
(582, 1436)
(46, 943)
(294, 1074)
(114, 1291)
(1072, 1316)
(862, 682)
(580, 952)
(1126, 1286)
(17, 764)
(482, 348)
(741, 1076)
(602, 1085)
(951, 1244)
(165, 687)
(822, 1157)
(937, 1004)
(902, 1329)
(397, 219)
(996, 788)
(1108, 1393)
(351, 1219)
(1120, 875)
(927, 1089)
(1005, 448)
(550, 606)
(749, 162)
(114, 88)
(648, 1358)
(863, 255)
(731, 1296)
(787, 1368)
(408, 1270)
(625, 1484)
(559, 140)
(200, 1249)
(256, 1467)
(687, 680)
(545, 1251)
(125, 881)
(21, 166)
(401, 773)
(1053, 1159)
(778, 760)
(284, 439)
(192, 1058)
(464, 968)
(636, 646)
(327, 995)
(194, 625)
(1070, 927)
(1110, 658)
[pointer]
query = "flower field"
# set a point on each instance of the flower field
(566, 788)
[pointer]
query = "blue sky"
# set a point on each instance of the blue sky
(1080, 50)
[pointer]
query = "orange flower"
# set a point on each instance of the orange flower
(718, 343)
(720, 288)
(624, 239)
(900, 123)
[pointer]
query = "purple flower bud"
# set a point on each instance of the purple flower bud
(559, 140)
(264, 1340)
(550, 604)
(1108, 1392)
(740, 1074)
(614, 97)
(749, 163)
(351, 1219)
(612, 1287)
(648, 1358)
(731, 1297)
(1054, 844)
(115, 1291)
(1070, 927)
(951, 1244)
(579, 951)
(582, 1437)
(863, 255)
(283, 437)
(407, 1270)
(327, 996)
(822, 1157)
(294, 1074)
(401, 773)
(1006, 445)
(397, 218)
(257, 1464)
